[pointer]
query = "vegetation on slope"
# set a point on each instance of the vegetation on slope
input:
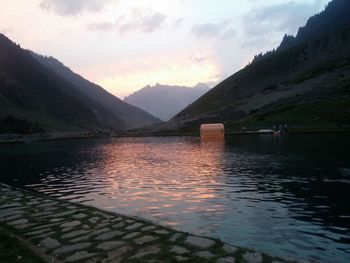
(273, 87)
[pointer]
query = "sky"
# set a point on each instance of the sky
(124, 45)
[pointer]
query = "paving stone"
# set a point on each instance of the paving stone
(62, 214)
(24, 226)
(47, 234)
(117, 253)
(71, 248)
(49, 243)
(161, 232)
(109, 235)
(277, 262)
(100, 231)
(229, 249)
(37, 232)
(145, 239)
(148, 228)
(11, 218)
(67, 229)
(10, 205)
(253, 257)
(150, 250)
(79, 216)
(72, 207)
(80, 239)
(129, 221)
(80, 255)
(204, 254)
(71, 224)
(181, 258)
(33, 203)
(134, 226)
(102, 214)
(93, 260)
(200, 242)
(43, 225)
(117, 219)
(94, 220)
(179, 250)
(74, 234)
(175, 237)
(55, 220)
(226, 260)
(85, 227)
(121, 224)
(131, 235)
(45, 205)
(102, 225)
(11, 212)
(109, 245)
(18, 222)
(41, 215)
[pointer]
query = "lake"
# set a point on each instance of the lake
(288, 195)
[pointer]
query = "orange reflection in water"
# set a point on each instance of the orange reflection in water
(162, 178)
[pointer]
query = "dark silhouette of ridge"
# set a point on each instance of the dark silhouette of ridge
(36, 98)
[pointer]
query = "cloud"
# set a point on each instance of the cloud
(72, 7)
(206, 30)
(103, 26)
(143, 22)
(138, 20)
(230, 33)
(214, 30)
(284, 18)
(178, 22)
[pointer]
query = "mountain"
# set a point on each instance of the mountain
(165, 101)
(33, 98)
(132, 116)
(306, 85)
(334, 17)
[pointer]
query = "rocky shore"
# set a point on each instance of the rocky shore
(60, 231)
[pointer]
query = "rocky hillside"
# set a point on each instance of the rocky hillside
(164, 101)
(306, 85)
(34, 98)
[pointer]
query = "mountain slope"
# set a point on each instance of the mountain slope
(165, 101)
(277, 86)
(34, 98)
(334, 17)
(132, 116)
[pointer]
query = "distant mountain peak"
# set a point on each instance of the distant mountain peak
(169, 99)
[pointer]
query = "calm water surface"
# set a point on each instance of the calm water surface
(288, 196)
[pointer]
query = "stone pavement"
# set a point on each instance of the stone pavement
(60, 231)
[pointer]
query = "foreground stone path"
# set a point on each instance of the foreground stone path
(60, 231)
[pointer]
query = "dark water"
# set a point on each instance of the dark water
(289, 196)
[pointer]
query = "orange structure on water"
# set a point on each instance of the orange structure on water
(212, 131)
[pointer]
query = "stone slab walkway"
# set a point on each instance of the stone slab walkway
(60, 231)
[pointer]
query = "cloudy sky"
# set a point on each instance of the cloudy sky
(123, 45)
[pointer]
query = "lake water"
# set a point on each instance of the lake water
(289, 196)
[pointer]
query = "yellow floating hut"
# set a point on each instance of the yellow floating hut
(212, 131)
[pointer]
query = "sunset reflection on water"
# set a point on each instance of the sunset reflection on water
(148, 184)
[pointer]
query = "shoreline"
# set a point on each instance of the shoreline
(42, 137)
(61, 231)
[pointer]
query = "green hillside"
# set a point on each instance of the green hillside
(306, 86)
